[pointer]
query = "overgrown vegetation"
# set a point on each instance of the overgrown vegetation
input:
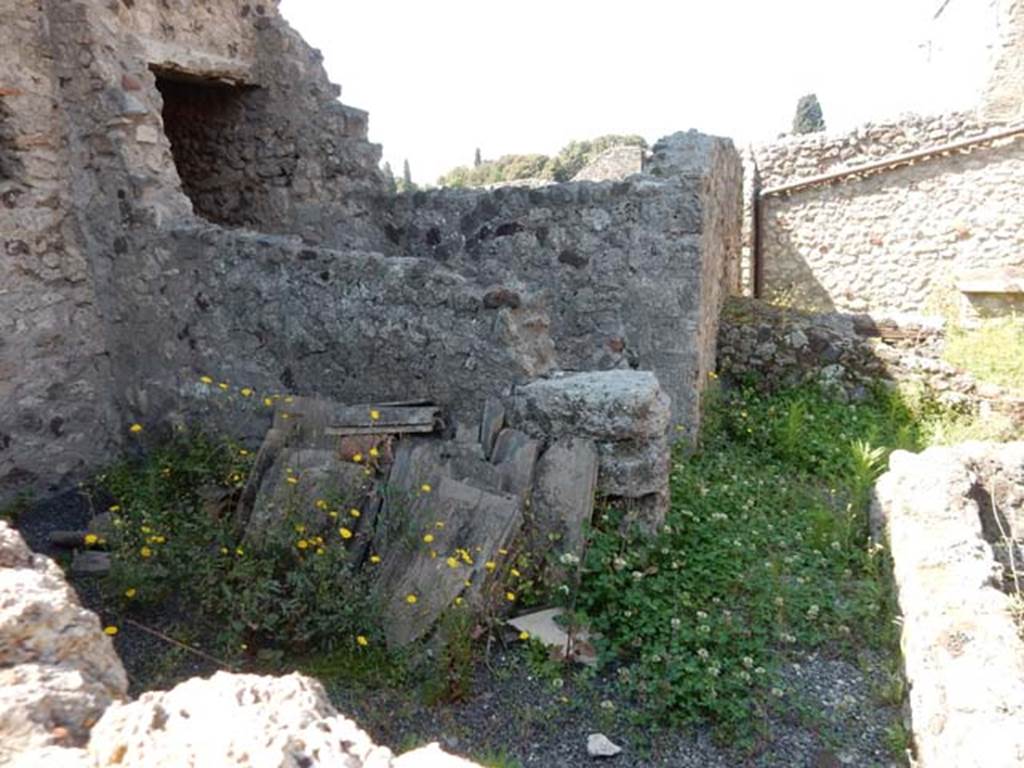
(992, 352)
(765, 551)
(171, 546)
(765, 554)
(569, 161)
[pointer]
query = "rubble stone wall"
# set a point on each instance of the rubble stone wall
(627, 274)
(54, 418)
(183, 195)
(888, 243)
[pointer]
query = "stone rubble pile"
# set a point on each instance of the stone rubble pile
(445, 512)
(63, 697)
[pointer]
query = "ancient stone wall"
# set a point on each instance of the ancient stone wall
(604, 275)
(890, 242)
(54, 417)
(88, 181)
(148, 146)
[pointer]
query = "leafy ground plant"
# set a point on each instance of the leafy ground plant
(177, 553)
(765, 551)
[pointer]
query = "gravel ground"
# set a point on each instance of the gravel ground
(538, 722)
(517, 717)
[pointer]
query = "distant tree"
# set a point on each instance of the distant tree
(562, 167)
(808, 117)
(405, 184)
(389, 176)
(477, 159)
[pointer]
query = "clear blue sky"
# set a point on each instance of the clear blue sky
(441, 78)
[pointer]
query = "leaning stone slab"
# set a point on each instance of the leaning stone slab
(963, 654)
(563, 500)
(428, 565)
(515, 456)
(543, 627)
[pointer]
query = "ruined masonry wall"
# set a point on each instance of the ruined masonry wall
(54, 418)
(119, 292)
(605, 275)
(891, 243)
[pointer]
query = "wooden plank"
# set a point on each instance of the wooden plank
(331, 418)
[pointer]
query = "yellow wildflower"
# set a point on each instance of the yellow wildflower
(268, 402)
(490, 565)
(433, 554)
(362, 641)
(502, 551)
(345, 533)
(130, 592)
(333, 514)
(223, 385)
(245, 391)
(90, 539)
(320, 504)
(243, 452)
(357, 458)
(439, 524)
(292, 480)
(206, 379)
(515, 573)
(239, 551)
(146, 529)
(468, 583)
(114, 508)
(374, 415)
(289, 399)
(426, 488)
(411, 599)
(524, 635)
(302, 544)
(374, 559)
(135, 428)
(223, 550)
(510, 596)
(300, 528)
(111, 630)
(145, 552)
(354, 512)
(428, 538)
(374, 453)
(459, 601)
(452, 562)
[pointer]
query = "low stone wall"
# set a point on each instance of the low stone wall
(891, 242)
(946, 513)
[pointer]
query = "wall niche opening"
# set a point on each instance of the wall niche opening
(210, 125)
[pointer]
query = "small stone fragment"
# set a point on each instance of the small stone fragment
(599, 745)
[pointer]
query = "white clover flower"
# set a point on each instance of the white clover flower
(714, 671)
(701, 615)
(619, 563)
(676, 623)
(702, 654)
(607, 705)
(748, 662)
(568, 558)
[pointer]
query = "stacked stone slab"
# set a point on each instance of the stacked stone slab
(443, 512)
